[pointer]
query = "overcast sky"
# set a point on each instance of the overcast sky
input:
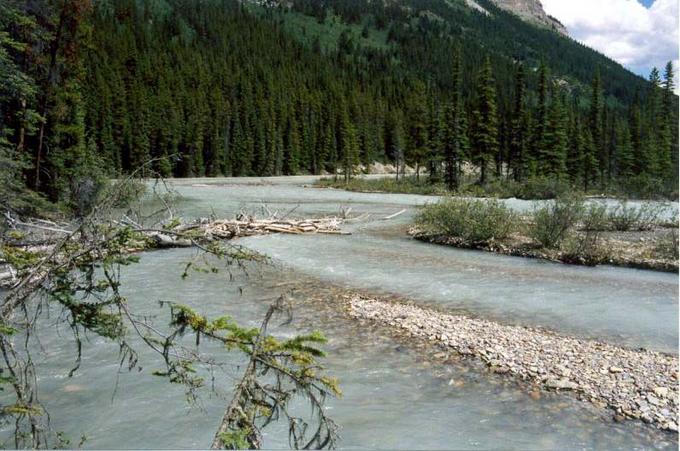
(640, 34)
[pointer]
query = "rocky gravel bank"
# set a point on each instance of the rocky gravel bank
(624, 253)
(637, 384)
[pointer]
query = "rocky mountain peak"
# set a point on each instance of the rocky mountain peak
(532, 11)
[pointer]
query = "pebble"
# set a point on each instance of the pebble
(634, 383)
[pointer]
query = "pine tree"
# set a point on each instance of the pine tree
(394, 140)
(485, 127)
(654, 124)
(668, 141)
(635, 128)
(625, 163)
(554, 156)
(575, 156)
(541, 118)
(453, 131)
(596, 128)
(291, 146)
(519, 128)
(349, 145)
(417, 117)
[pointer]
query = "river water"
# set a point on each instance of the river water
(395, 394)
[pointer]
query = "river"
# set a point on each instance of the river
(395, 394)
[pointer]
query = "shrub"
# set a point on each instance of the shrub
(584, 249)
(646, 187)
(626, 217)
(389, 184)
(552, 222)
(595, 218)
(668, 246)
(474, 221)
(542, 188)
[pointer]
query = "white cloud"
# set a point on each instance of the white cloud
(637, 37)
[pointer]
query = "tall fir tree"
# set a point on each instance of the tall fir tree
(485, 126)
(454, 132)
(595, 154)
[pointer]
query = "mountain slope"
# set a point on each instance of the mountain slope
(422, 34)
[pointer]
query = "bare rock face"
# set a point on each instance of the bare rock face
(532, 11)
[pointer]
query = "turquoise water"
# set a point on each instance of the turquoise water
(395, 394)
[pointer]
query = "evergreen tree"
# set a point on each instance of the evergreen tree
(453, 131)
(519, 133)
(625, 163)
(417, 118)
(668, 141)
(485, 127)
(348, 141)
(541, 118)
(554, 157)
(595, 155)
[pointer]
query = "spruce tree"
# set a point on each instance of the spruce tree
(349, 144)
(417, 117)
(554, 155)
(541, 118)
(453, 127)
(519, 128)
(669, 126)
(594, 155)
(625, 161)
(485, 126)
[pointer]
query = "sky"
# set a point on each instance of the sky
(640, 34)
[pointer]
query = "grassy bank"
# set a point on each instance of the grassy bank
(532, 189)
(566, 230)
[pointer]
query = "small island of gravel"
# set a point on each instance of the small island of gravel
(635, 384)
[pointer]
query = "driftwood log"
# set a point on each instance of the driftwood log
(43, 237)
(227, 229)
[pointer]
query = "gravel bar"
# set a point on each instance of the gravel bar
(636, 384)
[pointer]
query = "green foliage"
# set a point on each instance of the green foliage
(537, 188)
(405, 185)
(484, 121)
(237, 439)
(552, 223)
(669, 246)
(625, 217)
(473, 221)
(595, 218)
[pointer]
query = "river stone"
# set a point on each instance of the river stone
(661, 392)
(634, 383)
(563, 384)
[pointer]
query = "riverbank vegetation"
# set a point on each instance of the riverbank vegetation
(566, 230)
(533, 188)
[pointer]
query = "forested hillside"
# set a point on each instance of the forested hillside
(91, 89)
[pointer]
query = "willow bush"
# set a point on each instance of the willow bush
(473, 221)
